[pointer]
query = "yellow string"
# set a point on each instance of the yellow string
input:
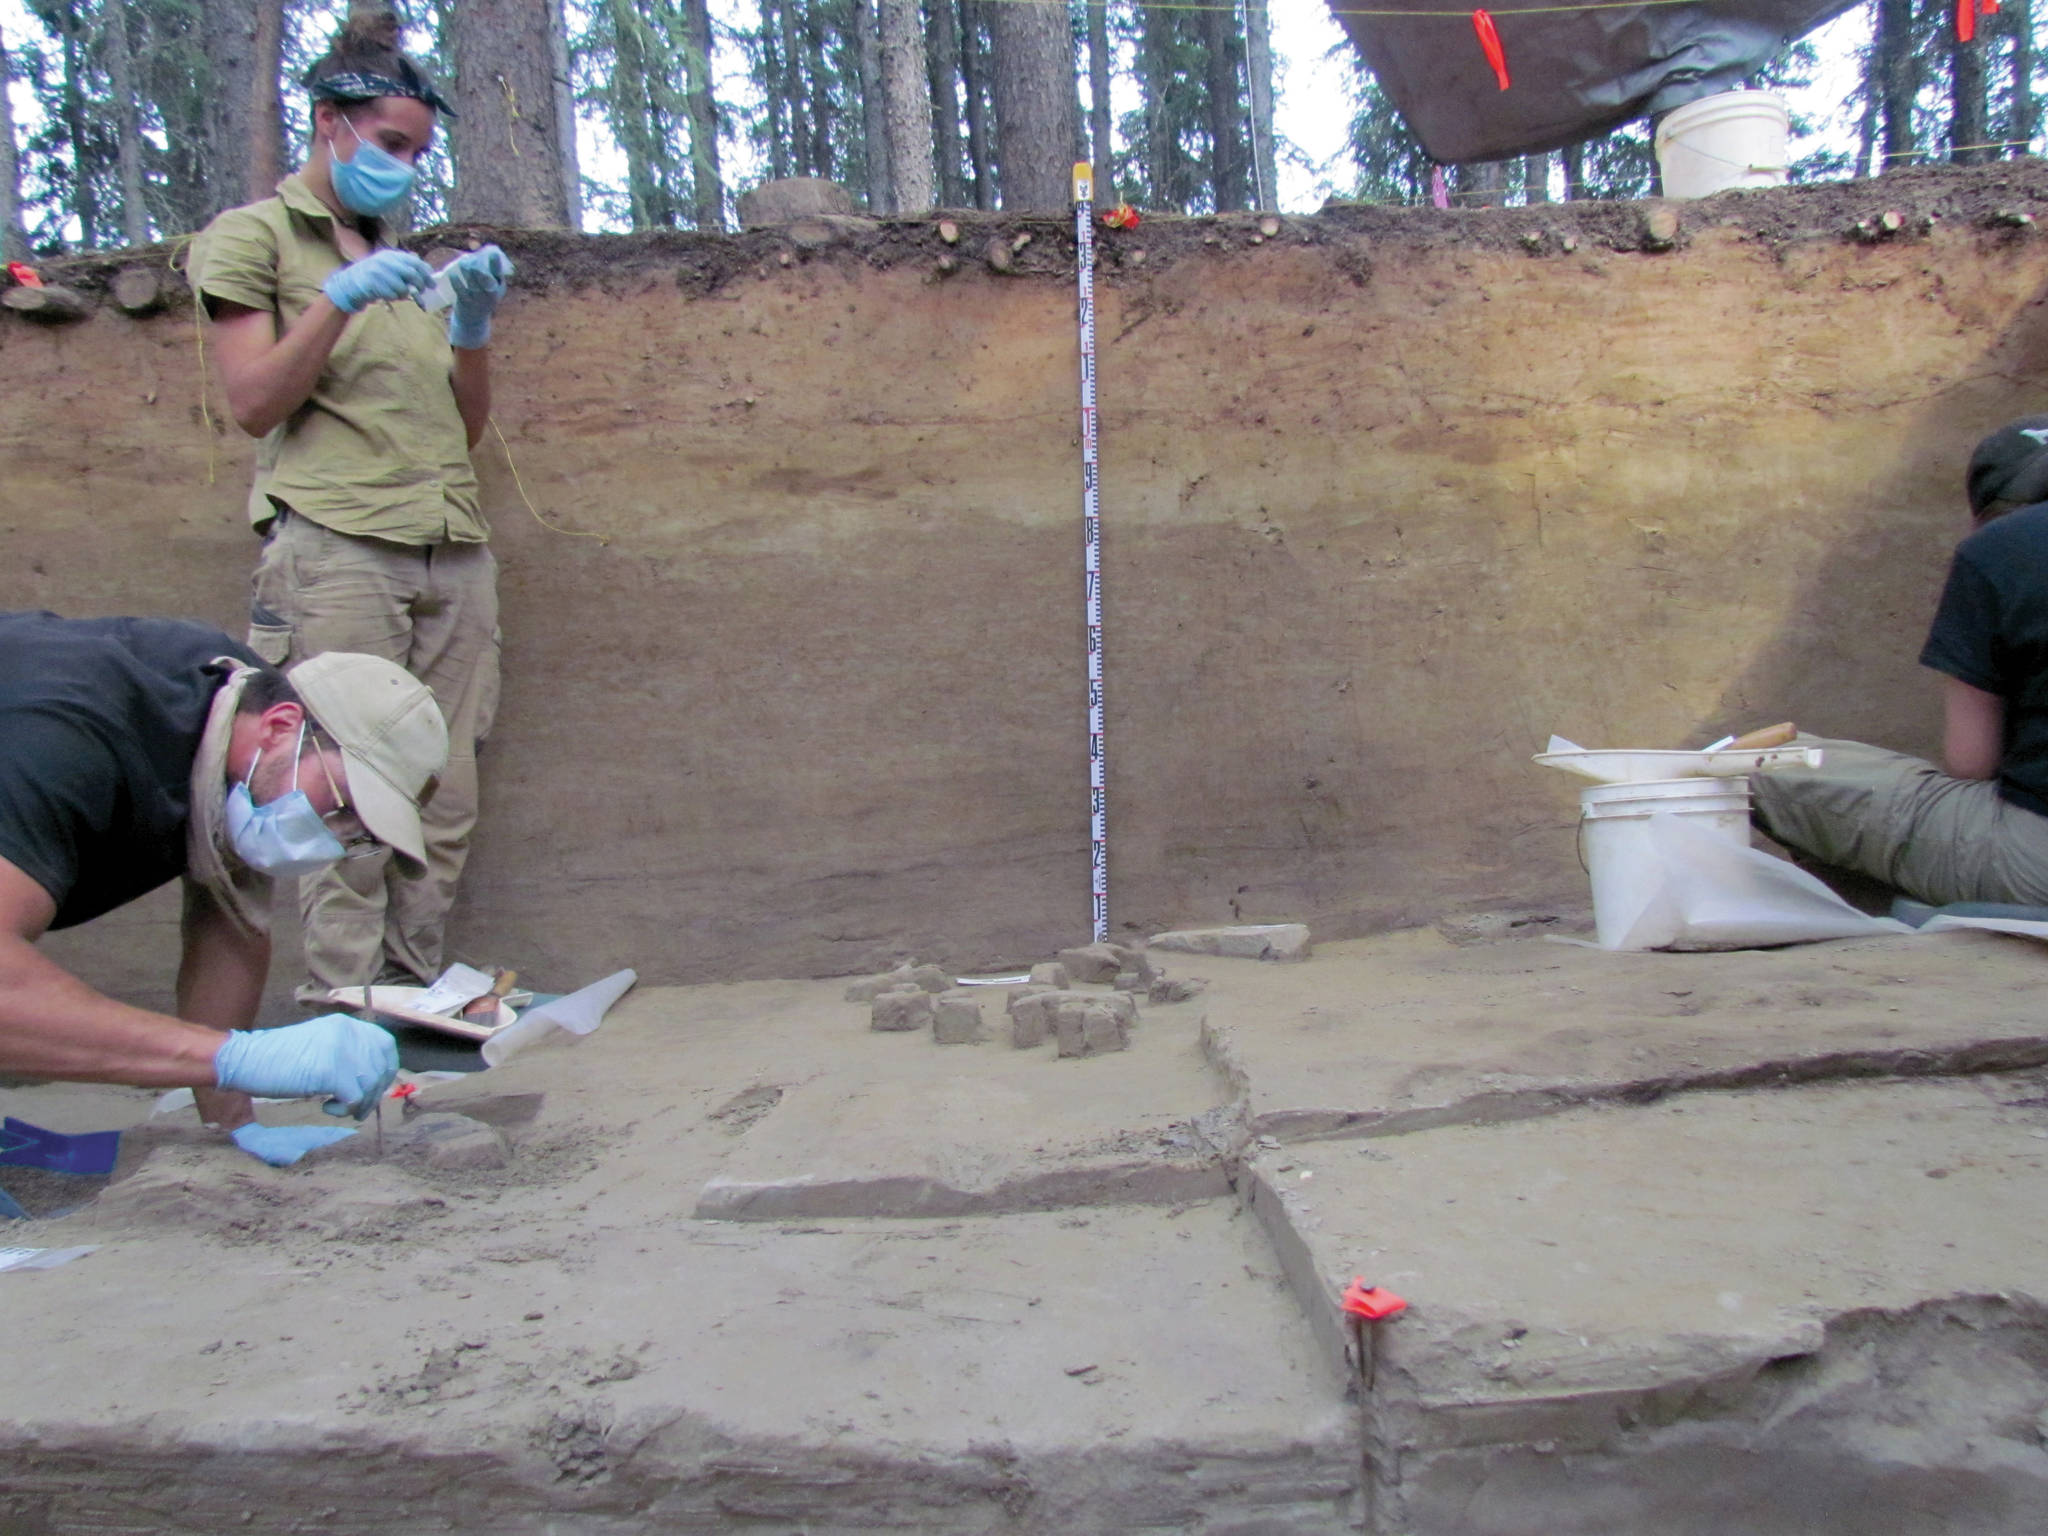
(180, 245)
(571, 533)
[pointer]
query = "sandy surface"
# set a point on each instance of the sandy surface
(1653, 1213)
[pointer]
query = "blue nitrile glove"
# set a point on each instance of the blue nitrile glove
(478, 279)
(282, 1145)
(336, 1055)
(386, 274)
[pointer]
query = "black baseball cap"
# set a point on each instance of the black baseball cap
(2010, 465)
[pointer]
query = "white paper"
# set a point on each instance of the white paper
(457, 985)
(578, 1013)
(41, 1258)
(1715, 894)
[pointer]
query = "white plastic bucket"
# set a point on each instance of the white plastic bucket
(1614, 840)
(1735, 139)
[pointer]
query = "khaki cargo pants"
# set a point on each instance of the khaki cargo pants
(1903, 821)
(433, 609)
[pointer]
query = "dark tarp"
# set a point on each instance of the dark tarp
(1574, 74)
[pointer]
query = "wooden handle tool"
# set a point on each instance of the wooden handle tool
(1765, 736)
(486, 1007)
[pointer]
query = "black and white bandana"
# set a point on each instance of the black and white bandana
(365, 85)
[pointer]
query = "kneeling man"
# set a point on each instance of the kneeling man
(135, 751)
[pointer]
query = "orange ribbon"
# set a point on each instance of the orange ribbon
(1489, 41)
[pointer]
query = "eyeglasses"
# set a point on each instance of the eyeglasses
(362, 845)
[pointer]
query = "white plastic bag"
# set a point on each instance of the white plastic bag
(1711, 893)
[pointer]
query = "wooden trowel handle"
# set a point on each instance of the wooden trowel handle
(1767, 736)
(486, 1006)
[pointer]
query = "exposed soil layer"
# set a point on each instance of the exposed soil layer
(1808, 1308)
(1986, 197)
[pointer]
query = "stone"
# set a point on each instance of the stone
(1129, 981)
(901, 1012)
(1090, 1028)
(1174, 990)
(1028, 989)
(452, 1143)
(997, 254)
(1088, 963)
(1029, 1021)
(1148, 969)
(956, 1019)
(1249, 941)
(868, 988)
(825, 229)
(1051, 973)
(931, 978)
(792, 198)
(924, 978)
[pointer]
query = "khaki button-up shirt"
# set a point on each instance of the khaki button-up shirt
(379, 450)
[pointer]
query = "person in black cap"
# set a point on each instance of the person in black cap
(1976, 828)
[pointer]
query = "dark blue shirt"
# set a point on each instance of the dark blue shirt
(1991, 631)
(100, 720)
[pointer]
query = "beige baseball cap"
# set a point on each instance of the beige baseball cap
(391, 734)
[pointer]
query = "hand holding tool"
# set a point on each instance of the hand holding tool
(336, 1055)
(385, 274)
(478, 281)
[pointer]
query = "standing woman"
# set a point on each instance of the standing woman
(367, 406)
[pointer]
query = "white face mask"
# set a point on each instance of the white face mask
(284, 837)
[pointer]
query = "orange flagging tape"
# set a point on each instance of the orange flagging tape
(1371, 1302)
(1489, 41)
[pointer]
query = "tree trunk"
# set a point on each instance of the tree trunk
(1258, 31)
(907, 101)
(942, 63)
(874, 118)
(2019, 126)
(1574, 157)
(794, 98)
(1101, 145)
(565, 115)
(818, 91)
(707, 191)
(13, 242)
(1536, 178)
(1166, 175)
(1898, 76)
(85, 202)
(1483, 185)
(505, 140)
(1966, 124)
(1226, 122)
(127, 123)
(974, 81)
(1866, 128)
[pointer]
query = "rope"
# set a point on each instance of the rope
(567, 533)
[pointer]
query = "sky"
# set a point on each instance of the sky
(1311, 105)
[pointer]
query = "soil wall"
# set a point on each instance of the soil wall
(1389, 496)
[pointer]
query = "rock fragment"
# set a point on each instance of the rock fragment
(1051, 973)
(901, 1012)
(1090, 1028)
(1248, 941)
(790, 198)
(956, 1019)
(1087, 963)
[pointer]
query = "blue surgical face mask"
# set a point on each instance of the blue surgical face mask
(284, 837)
(374, 182)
